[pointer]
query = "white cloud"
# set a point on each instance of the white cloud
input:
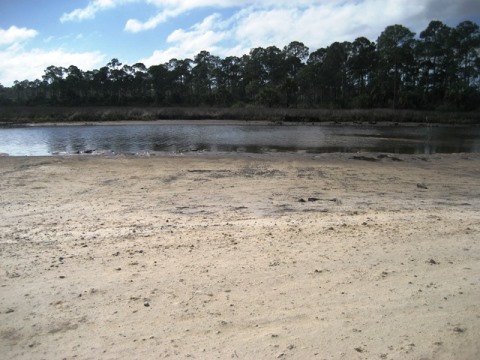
(192, 4)
(93, 7)
(321, 25)
(15, 35)
(18, 64)
(187, 43)
(135, 26)
(173, 8)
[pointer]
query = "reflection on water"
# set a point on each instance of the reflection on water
(238, 138)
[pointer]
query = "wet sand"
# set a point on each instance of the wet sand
(332, 256)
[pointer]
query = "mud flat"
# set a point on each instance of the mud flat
(204, 256)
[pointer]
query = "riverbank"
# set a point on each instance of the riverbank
(18, 116)
(240, 256)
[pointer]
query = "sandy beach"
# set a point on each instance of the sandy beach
(227, 256)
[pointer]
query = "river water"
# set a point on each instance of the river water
(131, 139)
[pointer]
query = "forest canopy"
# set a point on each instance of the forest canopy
(438, 69)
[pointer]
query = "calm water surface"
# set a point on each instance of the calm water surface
(238, 138)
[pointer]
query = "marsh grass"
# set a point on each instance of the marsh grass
(14, 115)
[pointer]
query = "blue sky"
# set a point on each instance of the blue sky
(35, 34)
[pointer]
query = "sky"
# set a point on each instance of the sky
(35, 34)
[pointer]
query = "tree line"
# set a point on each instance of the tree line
(437, 70)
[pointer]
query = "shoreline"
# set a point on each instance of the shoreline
(240, 123)
(215, 122)
(240, 256)
(364, 156)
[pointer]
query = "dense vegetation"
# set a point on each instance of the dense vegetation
(437, 70)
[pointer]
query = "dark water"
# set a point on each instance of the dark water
(238, 138)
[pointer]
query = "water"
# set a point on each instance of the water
(36, 141)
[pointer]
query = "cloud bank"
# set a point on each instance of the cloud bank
(32, 64)
(15, 59)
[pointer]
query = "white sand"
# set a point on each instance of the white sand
(210, 257)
